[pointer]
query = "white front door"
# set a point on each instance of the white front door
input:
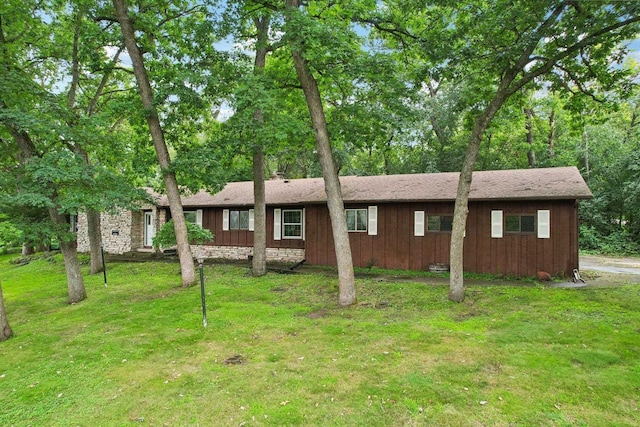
(149, 232)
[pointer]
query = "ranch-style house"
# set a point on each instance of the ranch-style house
(520, 221)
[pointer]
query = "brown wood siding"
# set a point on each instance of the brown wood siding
(212, 220)
(396, 247)
(522, 254)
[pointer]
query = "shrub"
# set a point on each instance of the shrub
(618, 242)
(166, 235)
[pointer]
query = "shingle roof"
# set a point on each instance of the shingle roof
(517, 184)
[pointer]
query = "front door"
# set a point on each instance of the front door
(149, 232)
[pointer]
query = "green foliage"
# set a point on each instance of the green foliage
(10, 235)
(166, 237)
(137, 353)
(618, 242)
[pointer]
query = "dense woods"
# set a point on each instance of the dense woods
(228, 91)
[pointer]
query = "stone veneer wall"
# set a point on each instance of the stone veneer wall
(241, 252)
(129, 226)
(82, 236)
(116, 232)
(137, 230)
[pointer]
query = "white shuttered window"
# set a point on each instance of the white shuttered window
(277, 224)
(252, 219)
(496, 224)
(225, 220)
(373, 221)
(544, 224)
(418, 223)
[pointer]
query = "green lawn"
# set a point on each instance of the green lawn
(136, 353)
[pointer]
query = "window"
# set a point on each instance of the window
(356, 219)
(519, 224)
(191, 216)
(194, 217)
(73, 223)
(522, 224)
(238, 220)
(292, 224)
(439, 223)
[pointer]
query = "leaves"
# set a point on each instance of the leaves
(166, 238)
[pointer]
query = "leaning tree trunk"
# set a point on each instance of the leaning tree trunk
(331, 181)
(5, 329)
(75, 282)
(95, 239)
(171, 184)
(259, 200)
(461, 209)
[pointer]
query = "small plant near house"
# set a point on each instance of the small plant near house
(166, 237)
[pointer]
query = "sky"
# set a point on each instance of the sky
(225, 111)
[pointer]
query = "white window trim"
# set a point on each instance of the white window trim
(366, 222)
(225, 220)
(197, 212)
(148, 233)
(418, 223)
(301, 236)
(496, 225)
(252, 219)
(544, 224)
(277, 224)
(439, 230)
(372, 217)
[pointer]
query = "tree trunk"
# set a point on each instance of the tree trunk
(95, 239)
(461, 209)
(552, 132)
(260, 216)
(331, 181)
(28, 249)
(259, 262)
(171, 184)
(5, 329)
(531, 154)
(75, 282)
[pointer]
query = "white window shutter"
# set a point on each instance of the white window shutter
(372, 229)
(304, 223)
(199, 217)
(418, 223)
(225, 220)
(277, 224)
(544, 224)
(496, 224)
(252, 219)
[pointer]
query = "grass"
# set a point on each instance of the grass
(136, 353)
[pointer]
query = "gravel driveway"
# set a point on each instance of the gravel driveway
(609, 271)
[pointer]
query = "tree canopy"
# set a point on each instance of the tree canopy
(404, 87)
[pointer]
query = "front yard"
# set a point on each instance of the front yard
(279, 351)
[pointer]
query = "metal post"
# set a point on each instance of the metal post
(104, 265)
(204, 304)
